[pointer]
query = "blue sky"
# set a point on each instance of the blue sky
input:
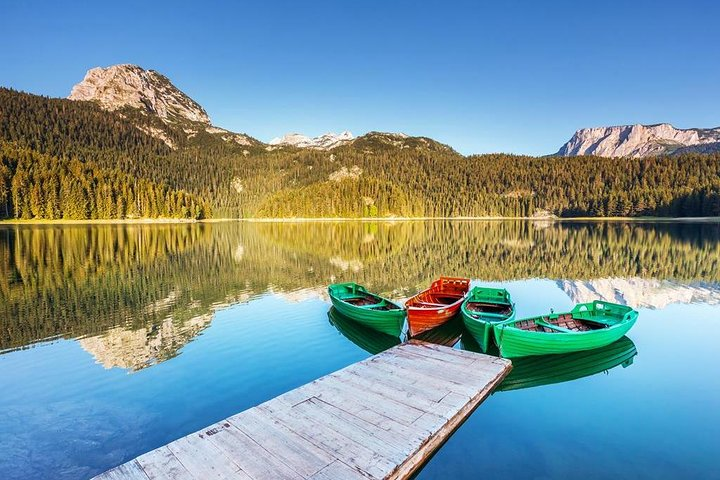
(509, 76)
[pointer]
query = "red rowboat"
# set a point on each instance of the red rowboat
(437, 304)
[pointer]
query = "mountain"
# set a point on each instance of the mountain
(127, 85)
(374, 142)
(327, 141)
(641, 141)
(131, 89)
(136, 146)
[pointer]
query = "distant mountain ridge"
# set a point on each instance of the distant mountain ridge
(641, 141)
(136, 146)
(127, 86)
(326, 141)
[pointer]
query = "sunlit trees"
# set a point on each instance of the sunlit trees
(45, 187)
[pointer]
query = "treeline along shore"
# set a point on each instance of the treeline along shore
(62, 159)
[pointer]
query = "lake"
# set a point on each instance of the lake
(116, 339)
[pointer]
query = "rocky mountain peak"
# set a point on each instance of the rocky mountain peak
(326, 141)
(127, 85)
(640, 141)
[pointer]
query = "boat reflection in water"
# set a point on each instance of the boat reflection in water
(364, 337)
(372, 341)
(528, 372)
(447, 334)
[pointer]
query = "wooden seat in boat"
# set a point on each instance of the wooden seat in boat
(428, 304)
(562, 324)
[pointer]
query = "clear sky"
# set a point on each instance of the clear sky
(481, 76)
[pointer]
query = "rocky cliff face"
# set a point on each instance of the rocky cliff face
(126, 85)
(123, 86)
(640, 141)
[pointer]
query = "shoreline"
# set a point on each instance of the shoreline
(474, 219)
(167, 221)
(99, 221)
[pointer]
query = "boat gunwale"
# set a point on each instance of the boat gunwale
(482, 317)
(334, 296)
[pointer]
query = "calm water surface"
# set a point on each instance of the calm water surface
(117, 339)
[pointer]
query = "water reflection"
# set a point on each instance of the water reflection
(549, 369)
(135, 294)
(528, 372)
(640, 292)
(231, 315)
(447, 334)
(366, 338)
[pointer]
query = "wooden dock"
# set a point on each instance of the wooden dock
(379, 418)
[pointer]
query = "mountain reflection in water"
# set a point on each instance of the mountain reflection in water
(136, 294)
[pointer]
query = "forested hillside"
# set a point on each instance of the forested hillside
(193, 174)
(34, 185)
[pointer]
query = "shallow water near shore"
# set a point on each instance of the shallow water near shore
(119, 338)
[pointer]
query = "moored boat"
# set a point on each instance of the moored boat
(436, 305)
(373, 311)
(483, 308)
(586, 326)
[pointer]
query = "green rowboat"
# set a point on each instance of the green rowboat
(587, 326)
(483, 308)
(369, 309)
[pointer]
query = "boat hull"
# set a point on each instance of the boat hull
(480, 325)
(389, 322)
(424, 319)
(515, 342)
(480, 330)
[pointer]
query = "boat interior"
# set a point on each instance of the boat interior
(434, 300)
(370, 302)
(563, 323)
(494, 308)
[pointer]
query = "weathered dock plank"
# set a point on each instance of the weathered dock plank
(379, 418)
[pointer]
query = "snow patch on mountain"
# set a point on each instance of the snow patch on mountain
(327, 141)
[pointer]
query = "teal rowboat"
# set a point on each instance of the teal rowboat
(483, 308)
(369, 309)
(587, 326)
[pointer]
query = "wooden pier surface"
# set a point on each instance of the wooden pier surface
(379, 418)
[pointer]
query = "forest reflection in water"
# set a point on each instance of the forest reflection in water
(135, 294)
